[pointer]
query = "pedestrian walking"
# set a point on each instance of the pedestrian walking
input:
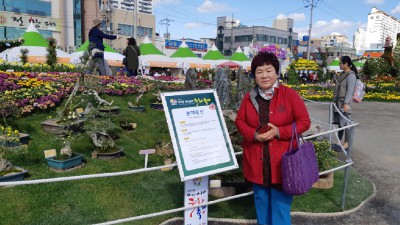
(132, 53)
(343, 94)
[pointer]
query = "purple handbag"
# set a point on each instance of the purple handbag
(299, 167)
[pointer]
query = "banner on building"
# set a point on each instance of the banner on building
(174, 44)
(8, 19)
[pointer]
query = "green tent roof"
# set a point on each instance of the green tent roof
(239, 56)
(336, 63)
(213, 54)
(147, 48)
(85, 45)
(32, 37)
(183, 52)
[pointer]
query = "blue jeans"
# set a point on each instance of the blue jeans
(272, 206)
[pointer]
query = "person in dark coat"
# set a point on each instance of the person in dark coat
(132, 53)
(96, 46)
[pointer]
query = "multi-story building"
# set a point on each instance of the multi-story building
(231, 34)
(283, 24)
(359, 40)
(145, 6)
(69, 21)
(56, 18)
(380, 25)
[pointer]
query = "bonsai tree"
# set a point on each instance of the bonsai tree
(98, 130)
(24, 55)
(51, 57)
(141, 92)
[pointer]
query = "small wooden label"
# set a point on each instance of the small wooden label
(50, 153)
(79, 110)
(147, 151)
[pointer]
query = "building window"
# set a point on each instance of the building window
(145, 31)
(125, 29)
(244, 38)
(34, 7)
(227, 39)
(262, 37)
(371, 17)
(272, 39)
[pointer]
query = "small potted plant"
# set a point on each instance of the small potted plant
(137, 107)
(100, 130)
(126, 120)
(326, 158)
(165, 149)
(104, 105)
(10, 144)
(158, 104)
(66, 160)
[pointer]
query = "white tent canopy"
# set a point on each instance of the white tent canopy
(36, 54)
(113, 58)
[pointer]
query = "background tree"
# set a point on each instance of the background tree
(51, 57)
(24, 55)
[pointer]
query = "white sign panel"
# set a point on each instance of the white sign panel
(198, 131)
(196, 192)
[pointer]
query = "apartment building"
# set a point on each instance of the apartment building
(380, 25)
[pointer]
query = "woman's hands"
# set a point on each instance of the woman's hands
(346, 107)
(269, 135)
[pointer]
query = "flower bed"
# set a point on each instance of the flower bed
(33, 91)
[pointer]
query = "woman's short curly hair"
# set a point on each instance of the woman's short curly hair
(264, 58)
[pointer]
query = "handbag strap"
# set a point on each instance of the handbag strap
(294, 132)
(133, 49)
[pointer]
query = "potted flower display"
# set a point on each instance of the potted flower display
(326, 161)
(10, 144)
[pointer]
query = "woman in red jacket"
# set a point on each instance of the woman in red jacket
(273, 107)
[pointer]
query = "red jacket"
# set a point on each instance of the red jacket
(286, 107)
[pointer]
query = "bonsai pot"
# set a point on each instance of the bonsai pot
(137, 108)
(52, 126)
(128, 126)
(157, 105)
(14, 176)
(108, 155)
(109, 109)
(23, 140)
(74, 161)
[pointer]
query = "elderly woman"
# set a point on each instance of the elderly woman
(275, 108)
